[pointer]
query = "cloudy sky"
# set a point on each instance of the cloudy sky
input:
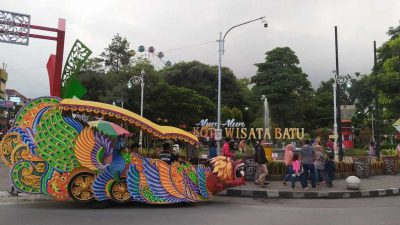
(188, 29)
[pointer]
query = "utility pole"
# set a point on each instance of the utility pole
(339, 117)
(377, 117)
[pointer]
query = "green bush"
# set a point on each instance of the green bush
(276, 168)
(239, 155)
(388, 146)
(355, 152)
(389, 152)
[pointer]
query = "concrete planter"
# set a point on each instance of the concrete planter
(391, 165)
(362, 166)
(249, 169)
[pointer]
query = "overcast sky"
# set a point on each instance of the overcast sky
(306, 26)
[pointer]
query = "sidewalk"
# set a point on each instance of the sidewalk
(374, 186)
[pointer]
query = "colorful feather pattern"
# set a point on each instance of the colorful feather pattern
(100, 185)
(92, 149)
(133, 180)
(56, 140)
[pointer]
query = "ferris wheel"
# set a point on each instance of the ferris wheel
(150, 55)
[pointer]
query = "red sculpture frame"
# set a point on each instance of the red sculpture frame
(54, 64)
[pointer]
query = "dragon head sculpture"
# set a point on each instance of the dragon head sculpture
(225, 173)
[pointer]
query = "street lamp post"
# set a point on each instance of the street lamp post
(139, 80)
(221, 40)
(335, 134)
(339, 80)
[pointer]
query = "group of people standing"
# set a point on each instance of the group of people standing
(311, 164)
(228, 148)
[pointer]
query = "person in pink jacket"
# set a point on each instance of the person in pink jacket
(297, 171)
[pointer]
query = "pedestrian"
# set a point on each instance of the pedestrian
(398, 148)
(319, 163)
(330, 169)
(166, 154)
(226, 149)
(297, 172)
(307, 158)
(330, 145)
(134, 148)
(212, 149)
(287, 159)
(372, 147)
(261, 165)
(242, 145)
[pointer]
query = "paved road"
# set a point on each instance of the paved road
(221, 210)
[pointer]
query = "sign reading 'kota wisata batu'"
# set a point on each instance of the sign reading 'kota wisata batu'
(234, 129)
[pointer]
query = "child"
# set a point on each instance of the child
(330, 169)
(296, 172)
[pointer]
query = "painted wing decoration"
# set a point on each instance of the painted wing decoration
(93, 149)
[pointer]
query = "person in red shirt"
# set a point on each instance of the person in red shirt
(329, 144)
(225, 148)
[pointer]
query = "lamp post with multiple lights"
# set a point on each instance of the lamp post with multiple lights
(139, 80)
(339, 80)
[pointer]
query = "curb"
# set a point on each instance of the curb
(311, 194)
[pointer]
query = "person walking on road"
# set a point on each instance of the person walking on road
(307, 158)
(261, 165)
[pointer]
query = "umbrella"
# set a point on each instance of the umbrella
(108, 128)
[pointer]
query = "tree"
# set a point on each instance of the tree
(93, 65)
(285, 85)
(203, 79)
(178, 105)
(117, 54)
(237, 114)
(323, 105)
(95, 85)
(388, 75)
(226, 113)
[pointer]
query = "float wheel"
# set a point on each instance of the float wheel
(119, 192)
(80, 187)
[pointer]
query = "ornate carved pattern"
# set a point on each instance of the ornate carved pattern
(9, 142)
(26, 175)
(77, 56)
(27, 114)
(14, 28)
(57, 186)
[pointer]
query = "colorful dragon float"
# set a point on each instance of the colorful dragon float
(50, 151)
